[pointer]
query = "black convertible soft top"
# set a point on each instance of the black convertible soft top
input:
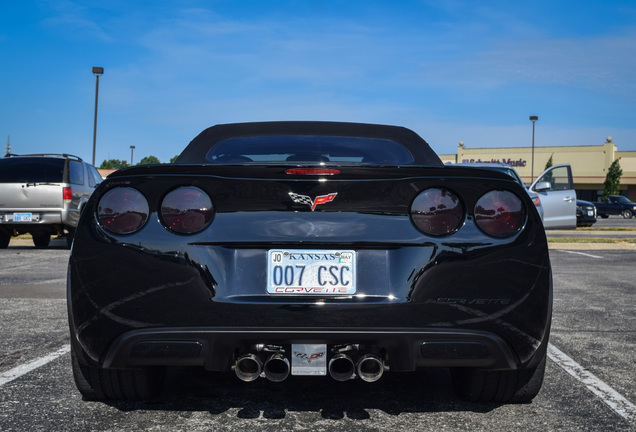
(196, 151)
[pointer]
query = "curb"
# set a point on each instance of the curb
(592, 246)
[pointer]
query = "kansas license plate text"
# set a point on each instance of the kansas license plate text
(311, 272)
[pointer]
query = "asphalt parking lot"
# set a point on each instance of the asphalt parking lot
(589, 386)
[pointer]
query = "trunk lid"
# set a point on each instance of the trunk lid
(386, 190)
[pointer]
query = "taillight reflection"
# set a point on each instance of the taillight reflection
(122, 210)
(187, 210)
(437, 212)
(500, 213)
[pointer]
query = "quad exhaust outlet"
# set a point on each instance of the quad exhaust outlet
(248, 367)
(276, 367)
(370, 368)
(342, 367)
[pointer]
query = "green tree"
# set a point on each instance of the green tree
(612, 184)
(549, 163)
(173, 158)
(149, 160)
(113, 164)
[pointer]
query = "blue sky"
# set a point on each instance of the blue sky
(452, 70)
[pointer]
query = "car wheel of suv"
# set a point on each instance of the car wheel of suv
(627, 214)
(41, 240)
(4, 240)
(499, 386)
(69, 236)
(95, 383)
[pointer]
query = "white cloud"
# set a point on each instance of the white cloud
(72, 19)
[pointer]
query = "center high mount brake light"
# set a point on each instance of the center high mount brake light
(312, 171)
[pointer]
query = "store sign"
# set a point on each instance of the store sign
(511, 162)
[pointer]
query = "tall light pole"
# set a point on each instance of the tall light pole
(533, 119)
(97, 71)
(132, 149)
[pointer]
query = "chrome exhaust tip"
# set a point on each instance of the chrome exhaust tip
(248, 367)
(276, 368)
(341, 367)
(370, 368)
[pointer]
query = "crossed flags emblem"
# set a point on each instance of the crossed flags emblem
(304, 199)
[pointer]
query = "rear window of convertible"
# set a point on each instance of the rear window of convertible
(310, 149)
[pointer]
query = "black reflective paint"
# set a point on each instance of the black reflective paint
(411, 287)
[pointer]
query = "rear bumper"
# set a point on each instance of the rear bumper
(41, 220)
(217, 349)
(205, 305)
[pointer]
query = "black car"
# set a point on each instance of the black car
(616, 205)
(334, 250)
(585, 213)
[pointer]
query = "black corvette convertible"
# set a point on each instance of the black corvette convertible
(337, 250)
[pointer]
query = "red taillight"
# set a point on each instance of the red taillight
(67, 193)
(437, 212)
(187, 210)
(122, 210)
(500, 213)
(312, 171)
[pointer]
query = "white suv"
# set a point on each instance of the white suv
(43, 195)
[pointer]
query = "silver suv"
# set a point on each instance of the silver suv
(43, 195)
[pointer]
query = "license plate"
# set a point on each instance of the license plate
(22, 217)
(311, 272)
(309, 359)
(590, 213)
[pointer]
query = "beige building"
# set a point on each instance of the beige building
(589, 164)
(105, 172)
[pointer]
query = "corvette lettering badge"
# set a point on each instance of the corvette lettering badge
(304, 199)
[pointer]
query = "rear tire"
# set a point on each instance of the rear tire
(499, 386)
(95, 383)
(4, 240)
(69, 236)
(41, 240)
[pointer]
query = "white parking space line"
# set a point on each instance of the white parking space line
(580, 253)
(25, 368)
(608, 395)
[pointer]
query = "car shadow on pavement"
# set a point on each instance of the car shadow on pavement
(193, 390)
(56, 243)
